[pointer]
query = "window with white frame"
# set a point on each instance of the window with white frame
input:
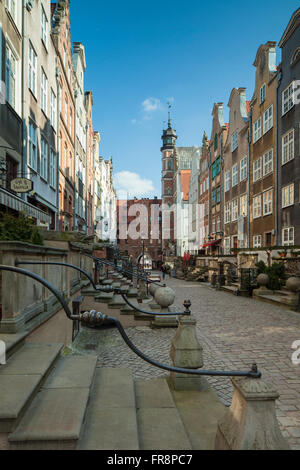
(234, 210)
(32, 69)
(226, 246)
(71, 121)
(11, 6)
(243, 205)
(44, 91)
(44, 159)
(257, 130)
(257, 170)
(53, 109)
(288, 147)
(64, 55)
(257, 241)
(288, 195)
(257, 207)
(213, 225)
(268, 119)
(268, 202)
(235, 175)
(32, 147)
(288, 98)
(263, 93)
(268, 162)
(52, 175)
(44, 27)
(227, 213)
(288, 236)
(66, 110)
(218, 224)
(10, 76)
(227, 181)
(59, 97)
(243, 168)
(234, 141)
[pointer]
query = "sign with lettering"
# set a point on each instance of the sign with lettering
(21, 185)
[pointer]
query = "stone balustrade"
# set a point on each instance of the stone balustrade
(25, 303)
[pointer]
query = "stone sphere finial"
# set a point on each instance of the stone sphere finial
(293, 284)
(164, 296)
(263, 280)
(153, 288)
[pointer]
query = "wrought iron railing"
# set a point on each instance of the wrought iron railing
(94, 318)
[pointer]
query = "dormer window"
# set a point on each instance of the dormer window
(288, 98)
(234, 141)
(263, 93)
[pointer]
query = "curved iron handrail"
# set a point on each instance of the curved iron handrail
(45, 283)
(187, 305)
(57, 263)
(98, 318)
(122, 270)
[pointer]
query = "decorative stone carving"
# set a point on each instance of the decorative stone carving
(251, 422)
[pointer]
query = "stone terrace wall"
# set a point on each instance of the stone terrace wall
(24, 303)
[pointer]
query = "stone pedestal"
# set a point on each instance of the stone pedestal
(186, 352)
(142, 290)
(251, 422)
(117, 302)
(164, 321)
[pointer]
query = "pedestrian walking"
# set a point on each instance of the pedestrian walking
(163, 270)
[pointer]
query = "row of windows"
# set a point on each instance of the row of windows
(48, 166)
(216, 196)
(233, 176)
(267, 124)
(216, 168)
(263, 204)
(232, 211)
(287, 238)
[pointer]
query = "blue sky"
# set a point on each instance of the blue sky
(142, 54)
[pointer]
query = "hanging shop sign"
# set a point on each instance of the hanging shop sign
(21, 185)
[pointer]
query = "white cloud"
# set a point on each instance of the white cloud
(150, 105)
(131, 184)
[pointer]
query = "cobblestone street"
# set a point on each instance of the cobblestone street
(234, 332)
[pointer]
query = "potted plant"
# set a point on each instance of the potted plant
(283, 253)
(295, 253)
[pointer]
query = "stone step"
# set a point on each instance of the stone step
(21, 378)
(159, 423)
(55, 417)
(200, 413)
(13, 342)
(111, 416)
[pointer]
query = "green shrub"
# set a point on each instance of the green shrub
(276, 273)
(19, 228)
(36, 237)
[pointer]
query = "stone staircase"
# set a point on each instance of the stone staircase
(52, 402)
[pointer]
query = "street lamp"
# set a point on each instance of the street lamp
(143, 235)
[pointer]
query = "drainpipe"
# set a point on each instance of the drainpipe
(57, 142)
(276, 192)
(248, 208)
(24, 127)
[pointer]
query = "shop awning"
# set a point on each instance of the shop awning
(213, 243)
(14, 202)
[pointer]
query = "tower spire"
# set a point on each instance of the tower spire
(169, 114)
